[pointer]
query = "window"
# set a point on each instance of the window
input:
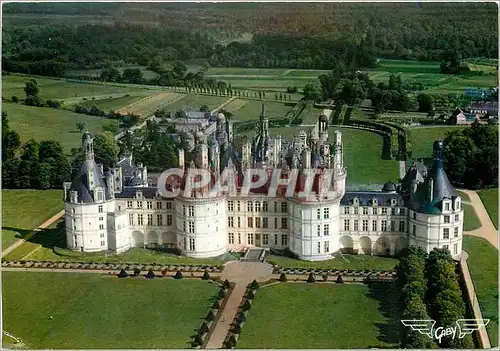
(383, 225)
(414, 230)
(230, 222)
(374, 226)
(265, 239)
(326, 246)
(249, 206)
(284, 223)
(99, 196)
(455, 249)
(159, 219)
(140, 219)
(356, 225)
(238, 207)
(150, 205)
(346, 210)
(346, 225)
(365, 225)
(276, 223)
(131, 219)
(250, 239)
(447, 219)
(191, 227)
(275, 206)
(239, 238)
(326, 229)
(139, 204)
(102, 235)
(393, 226)
(129, 204)
(446, 206)
(184, 227)
(402, 211)
(319, 247)
(276, 239)
(284, 239)
(318, 213)
(103, 243)
(257, 206)
(319, 230)
(150, 219)
(384, 210)
(446, 233)
(239, 222)
(100, 218)
(99, 208)
(393, 211)
(183, 210)
(457, 217)
(445, 247)
(250, 222)
(264, 206)
(191, 244)
(265, 222)
(169, 220)
(458, 205)
(284, 207)
(159, 205)
(191, 211)
(365, 210)
(414, 215)
(101, 226)
(401, 226)
(455, 232)
(326, 213)
(169, 205)
(231, 238)
(356, 210)
(230, 206)
(257, 222)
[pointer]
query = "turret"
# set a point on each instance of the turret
(306, 158)
(181, 158)
(88, 146)
(203, 156)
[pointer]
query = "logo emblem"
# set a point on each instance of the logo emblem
(463, 327)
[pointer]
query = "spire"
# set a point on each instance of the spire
(88, 146)
(263, 111)
(438, 153)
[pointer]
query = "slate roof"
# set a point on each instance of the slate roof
(80, 182)
(366, 198)
(149, 192)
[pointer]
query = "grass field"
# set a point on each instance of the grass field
(310, 115)
(252, 109)
(483, 267)
(145, 107)
(194, 102)
(146, 74)
(422, 139)
(114, 103)
(44, 123)
(490, 201)
(362, 156)
(94, 311)
(60, 89)
(346, 262)
(471, 221)
(24, 210)
(342, 316)
(225, 71)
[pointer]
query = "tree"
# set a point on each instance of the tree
(425, 103)
(122, 274)
(81, 126)
(312, 92)
(283, 278)
(106, 149)
(15, 99)
(32, 93)
(178, 275)
(205, 276)
(110, 74)
(150, 274)
(339, 280)
(311, 279)
(132, 75)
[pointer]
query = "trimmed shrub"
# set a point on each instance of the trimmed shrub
(150, 274)
(254, 285)
(250, 294)
(339, 279)
(198, 340)
(217, 304)
(237, 329)
(122, 274)
(206, 276)
(210, 316)
(203, 329)
(246, 305)
(311, 279)
(137, 272)
(283, 278)
(178, 275)
(222, 293)
(15, 99)
(226, 284)
(241, 317)
(231, 342)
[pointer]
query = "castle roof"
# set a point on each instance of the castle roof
(89, 171)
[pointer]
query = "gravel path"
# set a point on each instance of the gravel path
(487, 229)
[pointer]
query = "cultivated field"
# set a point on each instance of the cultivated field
(344, 262)
(44, 123)
(114, 103)
(95, 311)
(490, 201)
(342, 316)
(194, 102)
(145, 107)
(252, 108)
(24, 210)
(483, 266)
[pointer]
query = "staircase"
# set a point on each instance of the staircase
(255, 254)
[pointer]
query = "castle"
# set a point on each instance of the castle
(118, 210)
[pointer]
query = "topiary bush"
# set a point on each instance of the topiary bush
(254, 285)
(222, 293)
(283, 278)
(137, 272)
(203, 329)
(311, 279)
(150, 274)
(241, 317)
(210, 316)
(206, 276)
(246, 305)
(178, 275)
(217, 304)
(226, 284)
(339, 279)
(122, 274)
(250, 294)
(237, 329)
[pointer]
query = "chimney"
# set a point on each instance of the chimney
(431, 189)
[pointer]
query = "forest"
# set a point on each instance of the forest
(284, 35)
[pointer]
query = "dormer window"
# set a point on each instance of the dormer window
(356, 201)
(446, 206)
(457, 204)
(374, 202)
(99, 196)
(393, 202)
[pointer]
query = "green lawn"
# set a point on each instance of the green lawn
(422, 139)
(24, 210)
(346, 262)
(362, 156)
(490, 201)
(44, 123)
(59, 89)
(471, 221)
(95, 311)
(251, 111)
(483, 267)
(194, 102)
(310, 115)
(322, 316)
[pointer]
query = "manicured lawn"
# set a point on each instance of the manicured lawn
(471, 221)
(24, 210)
(490, 201)
(59, 89)
(362, 156)
(422, 139)
(95, 311)
(345, 262)
(322, 316)
(483, 267)
(194, 102)
(310, 115)
(251, 111)
(44, 123)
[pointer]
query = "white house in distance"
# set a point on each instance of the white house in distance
(117, 210)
